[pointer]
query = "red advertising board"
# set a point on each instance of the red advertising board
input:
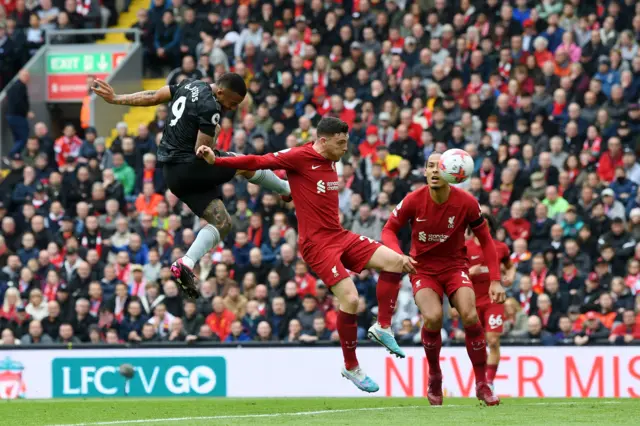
(117, 58)
(70, 87)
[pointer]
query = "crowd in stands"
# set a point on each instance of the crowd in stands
(23, 24)
(544, 95)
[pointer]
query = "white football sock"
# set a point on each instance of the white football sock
(267, 179)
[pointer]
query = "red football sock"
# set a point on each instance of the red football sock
(348, 331)
(477, 350)
(387, 294)
(492, 369)
(432, 343)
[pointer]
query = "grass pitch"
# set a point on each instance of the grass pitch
(318, 411)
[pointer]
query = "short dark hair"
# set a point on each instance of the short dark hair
(233, 82)
(330, 126)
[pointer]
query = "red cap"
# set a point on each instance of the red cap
(278, 24)
(593, 277)
(590, 315)
(372, 130)
(528, 23)
(227, 22)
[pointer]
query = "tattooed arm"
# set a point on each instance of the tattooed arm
(206, 140)
(144, 98)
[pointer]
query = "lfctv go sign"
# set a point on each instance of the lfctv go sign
(159, 377)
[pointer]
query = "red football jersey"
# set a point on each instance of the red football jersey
(314, 187)
(482, 281)
(437, 230)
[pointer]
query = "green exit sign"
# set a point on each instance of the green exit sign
(84, 63)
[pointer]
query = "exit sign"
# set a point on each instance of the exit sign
(84, 63)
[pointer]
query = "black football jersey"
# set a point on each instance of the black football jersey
(193, 108)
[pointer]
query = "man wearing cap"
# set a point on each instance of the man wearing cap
(252, 34)
(619, 239)
(631, 167)
(592, 330)
(614, 209)
(14, 177)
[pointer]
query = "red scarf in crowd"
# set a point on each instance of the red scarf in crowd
(525, 301)
(255, 236)
(49, 292)
(487, 179)
(537, 281)
(593, 146)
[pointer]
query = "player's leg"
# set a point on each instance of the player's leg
(492, 318)
(389, 263)
(326, 263)
(196, 184)
(263, 178)
(428, 297)
(347, 325)
(493, 359)
(217, 227)
(463, 299)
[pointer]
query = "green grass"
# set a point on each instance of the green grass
(328, 411)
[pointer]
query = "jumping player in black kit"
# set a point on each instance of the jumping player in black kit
(194, 117)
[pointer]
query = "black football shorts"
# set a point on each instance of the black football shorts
(197, 183)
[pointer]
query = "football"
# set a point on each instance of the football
(456, 165)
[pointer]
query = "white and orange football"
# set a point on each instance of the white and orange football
(456, 165)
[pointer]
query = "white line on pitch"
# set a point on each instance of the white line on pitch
(308, 413)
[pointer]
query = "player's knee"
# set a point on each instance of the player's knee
(349, 302)
(469, 317)
(432, 318)
(493, 341)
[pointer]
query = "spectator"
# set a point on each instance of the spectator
(535, 331)
(628, 331)
(124, 173)
(132, 324)
(18, 111)
(8, 338)
(592, 330)
(191, 320)
(565, 334)
(167, 41)
(235, 302)
(237, 333)
(37, 307)
(66, 335)
(35, 335)
(219, 321)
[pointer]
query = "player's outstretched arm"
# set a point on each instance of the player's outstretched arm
(282, 160)
(144, 98)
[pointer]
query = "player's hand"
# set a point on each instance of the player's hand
(104, 90)
(496, 292)
(407, 265)
(206, 153)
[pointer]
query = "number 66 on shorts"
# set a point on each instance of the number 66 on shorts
(492, 317)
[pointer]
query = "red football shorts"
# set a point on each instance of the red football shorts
(491, 316)
(331, 260)
(444, 283)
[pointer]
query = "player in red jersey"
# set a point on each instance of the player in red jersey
(327, 247)
(491, 314)
(439, 215)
